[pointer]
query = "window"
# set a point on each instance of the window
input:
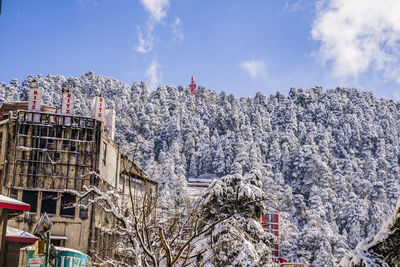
(49, 202)
(1, 140)
(67, 200)
(14, 193)
(104, 153)
(52, 132)
(83, 212)
(65, 144)
(30, 197)
(74, 134)
(73, 146)
(89, 136)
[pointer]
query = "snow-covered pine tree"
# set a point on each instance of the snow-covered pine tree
(381, 250)
(342, 129)
(238, 240)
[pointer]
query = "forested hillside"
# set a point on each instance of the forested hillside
(331, 158)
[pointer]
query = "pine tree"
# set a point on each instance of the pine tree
(238, 240)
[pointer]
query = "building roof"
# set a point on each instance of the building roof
(17, 235)
(135, 169)
(199, 182)
(6, 107)
(13, 204)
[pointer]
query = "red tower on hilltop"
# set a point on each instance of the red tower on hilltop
(193, 86)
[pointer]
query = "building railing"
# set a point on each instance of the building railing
(46, 118)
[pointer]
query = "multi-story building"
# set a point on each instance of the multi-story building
(270, 222)
(44, 151)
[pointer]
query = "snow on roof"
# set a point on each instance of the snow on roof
(28, 248)
(58, 237)
(203, 181)
(13, 204)
(17, 235)
(199, 180)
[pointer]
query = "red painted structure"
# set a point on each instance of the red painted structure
(16, 235)
(270, 222)
(9, 207)
(14, 205)
(193, 87)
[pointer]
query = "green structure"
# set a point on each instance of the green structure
(66, 258)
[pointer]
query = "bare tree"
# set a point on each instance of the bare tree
(148, 236)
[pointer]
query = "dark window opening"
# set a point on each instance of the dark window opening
(82, 135)
(52, 132)
(59, 132)
(89, 137)
(104, 153)
(24, 129)
(42, 143)
(34, 142)
(49, 202)
(65, 143)
(35, 131)
(14, 193)
(73, 146)
(43, 131)
(74, 134)
(30, 197)
(67, 202)
(1, 140)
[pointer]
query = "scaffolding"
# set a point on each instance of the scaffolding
(54, 151)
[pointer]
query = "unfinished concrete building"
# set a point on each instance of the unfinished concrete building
(44, 151)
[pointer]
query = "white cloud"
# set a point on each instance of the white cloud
(254, 68)
(84, 3)
(359, 35)
(293, 6)
(156, 8)
(154, 74)
(145, 43)
(177, 29)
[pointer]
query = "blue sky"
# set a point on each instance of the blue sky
(241, 47)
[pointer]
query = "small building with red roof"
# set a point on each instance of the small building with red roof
(9, 208)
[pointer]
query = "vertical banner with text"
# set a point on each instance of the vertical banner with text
(67, 107)
(34, 103)
(98, 108)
